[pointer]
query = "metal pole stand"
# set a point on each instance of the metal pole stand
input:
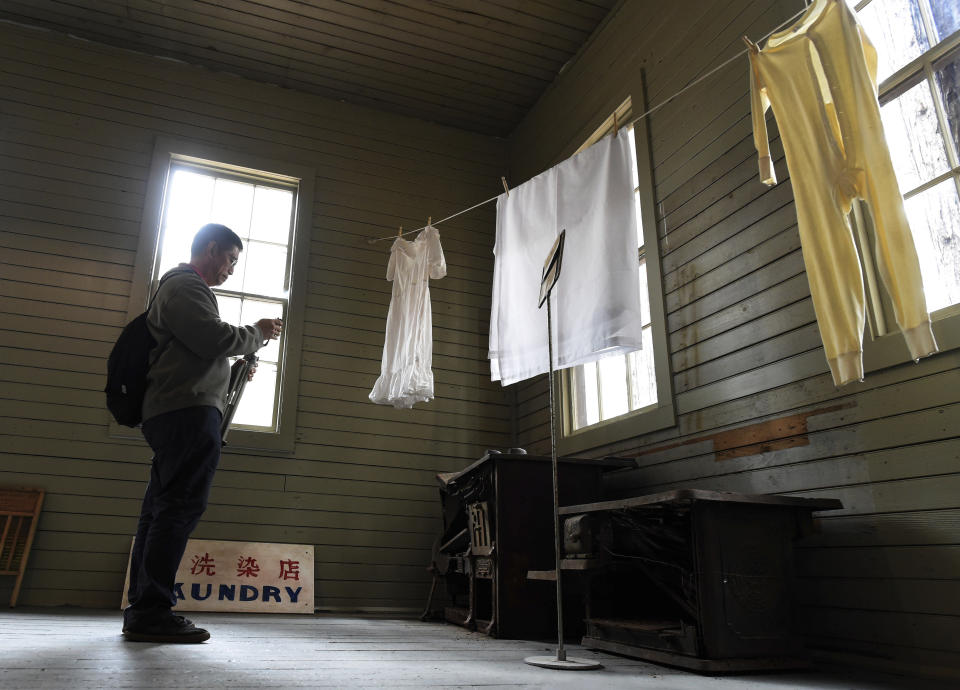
(561, 662)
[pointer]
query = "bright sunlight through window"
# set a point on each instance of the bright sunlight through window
(261, 213)
(918, 49)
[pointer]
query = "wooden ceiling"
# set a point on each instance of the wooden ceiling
(474, 64)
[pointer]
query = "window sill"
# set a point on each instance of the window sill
(238, 441)
(891, 349)
(619, 429)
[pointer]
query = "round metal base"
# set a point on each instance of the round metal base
(570, 664)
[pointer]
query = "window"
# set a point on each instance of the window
(616, 385)
(918, 47)
(260, 210)
(266, 202)
(625, 395)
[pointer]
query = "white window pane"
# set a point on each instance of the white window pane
(914, 138)
(614, 400)
(895, 28)
(252, 311)
(271, 215)
(229, 309)
(256, 405)
(946, 17)
(639, 210)
(934, 218)
(948, 86)
(644, 295)
(574, 399)
(634, 174)
(643, 382)
(651, 387)
(235, 281)
(232, 203)
(265, 269)
(175, 248)
(189, 198)
(588, 407)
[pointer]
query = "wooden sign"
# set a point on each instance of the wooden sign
(237, 576)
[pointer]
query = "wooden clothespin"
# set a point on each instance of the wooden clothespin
(750, 44)
(505, 187)
(616, 124)
(429, 221)
(400, 231)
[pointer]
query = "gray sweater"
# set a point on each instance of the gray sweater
(189, 366)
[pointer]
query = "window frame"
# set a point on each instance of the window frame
(168, 152)
(218, 171)
(884, 345)
(662, 414)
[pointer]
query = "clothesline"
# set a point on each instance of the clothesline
(409, 232)
(636, 119)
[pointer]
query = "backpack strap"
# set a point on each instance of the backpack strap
(160, 285)
(154, 298)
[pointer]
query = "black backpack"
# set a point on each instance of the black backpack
(127, 369)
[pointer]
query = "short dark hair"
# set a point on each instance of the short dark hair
(221, 234)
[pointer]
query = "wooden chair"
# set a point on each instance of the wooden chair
(19, 513)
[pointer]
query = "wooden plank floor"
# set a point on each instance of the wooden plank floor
(81, 648)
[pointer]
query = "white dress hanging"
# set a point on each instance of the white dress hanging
(596, 302)
(405, 375)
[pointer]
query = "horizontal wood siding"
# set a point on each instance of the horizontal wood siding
(757, 411)
(77, 128)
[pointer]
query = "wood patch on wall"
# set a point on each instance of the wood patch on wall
(251, 577)
(781, 433)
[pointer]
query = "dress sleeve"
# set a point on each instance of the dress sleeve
(435, 259)
(759, 102)
(392, 265)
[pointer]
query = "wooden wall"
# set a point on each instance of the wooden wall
(77, 128)
(757, 411)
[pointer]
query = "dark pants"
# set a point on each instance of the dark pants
(186, 447)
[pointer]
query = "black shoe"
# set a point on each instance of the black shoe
(169, 628)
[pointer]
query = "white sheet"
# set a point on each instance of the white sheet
(596, 302)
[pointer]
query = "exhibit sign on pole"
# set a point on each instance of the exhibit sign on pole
(548, 279)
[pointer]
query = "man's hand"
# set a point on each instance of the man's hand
(251, 371)
(270, 328)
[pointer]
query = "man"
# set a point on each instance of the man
(182, 410)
